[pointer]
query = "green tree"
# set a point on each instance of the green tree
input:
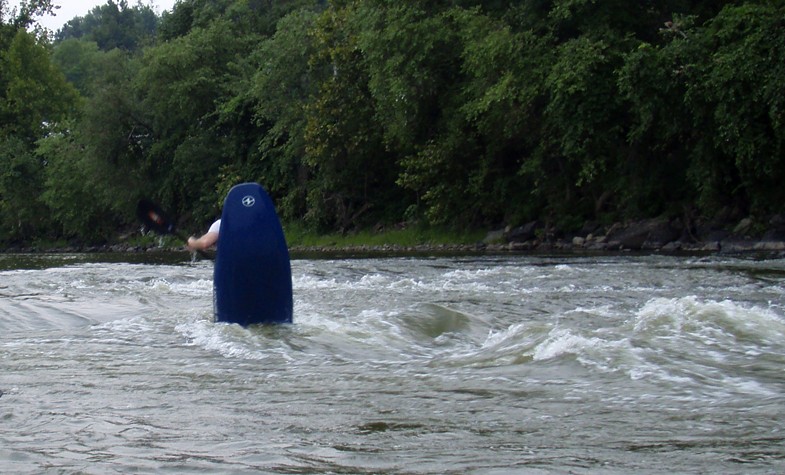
(78, 59)
(114, 25)
(113, 132)
(35, 93)
(358, 112)
(280, 90)
(735, 90)
(352, 176)
(185, 85)
(22, 215)
(190, 14)
(80, 193)
(704, 103)
(660, 133)
(457, 93)
(24, 14)
(580, 149)
(35, 99)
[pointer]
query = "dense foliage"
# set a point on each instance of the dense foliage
(363, 113)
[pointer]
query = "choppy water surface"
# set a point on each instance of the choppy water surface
(512, 364)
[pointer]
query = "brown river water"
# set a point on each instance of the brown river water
(417, 365)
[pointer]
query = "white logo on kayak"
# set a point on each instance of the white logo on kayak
(248, 201)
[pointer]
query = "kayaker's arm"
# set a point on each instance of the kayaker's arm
(203, 243)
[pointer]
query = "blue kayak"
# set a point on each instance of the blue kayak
(252, 278)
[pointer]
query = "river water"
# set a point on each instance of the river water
(419, 365)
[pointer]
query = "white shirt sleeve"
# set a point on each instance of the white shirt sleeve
(215, 227)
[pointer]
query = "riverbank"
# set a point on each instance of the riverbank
(647, 236)
(770, 249)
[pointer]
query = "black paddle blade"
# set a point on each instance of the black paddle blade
(153, 217)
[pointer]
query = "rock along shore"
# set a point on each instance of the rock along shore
(650, 235)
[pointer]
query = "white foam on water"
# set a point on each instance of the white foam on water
(128, 326)
(320, 335)
(589, 350)
(710, 320)
(473, 274)
(305, 281)
(707, 348)
(497, 280)
(200, 287)
(230, 341)
(374, 281)
(511, 344)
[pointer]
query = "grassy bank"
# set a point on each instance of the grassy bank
(299, 236)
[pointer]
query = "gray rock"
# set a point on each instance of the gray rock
(494, 237)
(527, 232)
(647, 234)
